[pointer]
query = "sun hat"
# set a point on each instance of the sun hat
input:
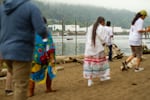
(143, 12)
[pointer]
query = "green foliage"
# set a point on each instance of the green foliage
(85, 15)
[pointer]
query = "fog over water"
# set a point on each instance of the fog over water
(71, 47)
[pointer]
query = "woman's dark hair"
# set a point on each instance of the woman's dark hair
(137, 16)
(99, 20)
(108, 23)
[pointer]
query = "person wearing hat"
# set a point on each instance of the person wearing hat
(135, 40)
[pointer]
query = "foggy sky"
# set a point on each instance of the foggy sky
(132, 5)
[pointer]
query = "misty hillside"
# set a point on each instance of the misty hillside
(85, 15)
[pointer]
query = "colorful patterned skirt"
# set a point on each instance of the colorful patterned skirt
(96, 66)
(39, 73)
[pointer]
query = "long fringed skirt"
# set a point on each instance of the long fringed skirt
(96, 66)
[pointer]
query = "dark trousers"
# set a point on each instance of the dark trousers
(110, 52)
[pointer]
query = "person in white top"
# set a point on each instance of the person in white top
(135, 40)
(95, 62)
(109, 39)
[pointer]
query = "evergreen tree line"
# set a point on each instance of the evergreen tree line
(85, 15)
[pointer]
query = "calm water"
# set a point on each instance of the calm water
(71, 47)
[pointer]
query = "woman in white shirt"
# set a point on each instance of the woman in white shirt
(135, 40)
(95, 62)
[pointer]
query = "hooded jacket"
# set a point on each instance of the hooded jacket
(19, 20)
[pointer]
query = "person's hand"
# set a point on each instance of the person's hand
(148, 29)
(45, 40)
(53, 61)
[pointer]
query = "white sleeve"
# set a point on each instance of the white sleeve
(139, 25)
(102, 33)
(47, 47)
(45, 40)
(111, 32)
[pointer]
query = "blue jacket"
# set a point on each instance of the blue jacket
(19, 20)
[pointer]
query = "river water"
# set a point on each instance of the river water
(73, 45)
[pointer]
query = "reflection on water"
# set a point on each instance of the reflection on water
(71, 47)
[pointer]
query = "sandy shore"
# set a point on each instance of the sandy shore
(71, 85)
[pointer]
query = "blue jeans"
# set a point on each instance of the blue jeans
(110, 52)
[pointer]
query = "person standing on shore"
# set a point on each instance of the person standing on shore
(109, 40)
(135, 40)
(20, 19)
(43, 69)
(95, 61)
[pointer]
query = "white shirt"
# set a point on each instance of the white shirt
(90, 50)
(135, 38)
(110, 34)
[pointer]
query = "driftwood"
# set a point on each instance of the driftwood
(60, 59)
(59, 68)
(146, 50)
(3, 72)
(116, 52)
(3, 80)
(132, 63)
(79, 58)
(68, 59)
